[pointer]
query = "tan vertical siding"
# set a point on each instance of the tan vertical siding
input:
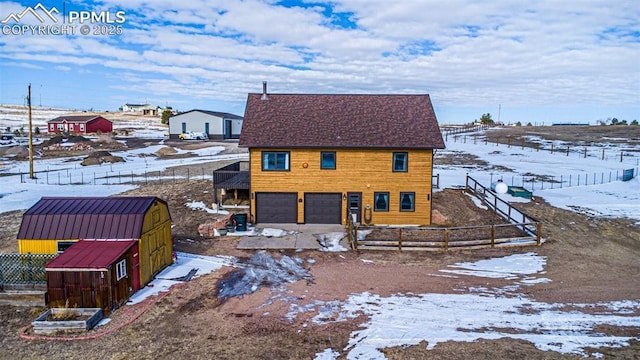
(357, 170)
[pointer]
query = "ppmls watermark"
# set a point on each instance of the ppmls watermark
(38, 20)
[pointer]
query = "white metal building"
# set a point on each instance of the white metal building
(218, 125)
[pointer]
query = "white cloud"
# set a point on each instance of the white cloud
(464, 53)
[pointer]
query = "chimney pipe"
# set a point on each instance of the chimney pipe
(264, 91)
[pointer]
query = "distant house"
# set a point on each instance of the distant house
(80, 124)
(217, 125)
(55, 224)
(319, 158)
(144, 109)
(94, 274)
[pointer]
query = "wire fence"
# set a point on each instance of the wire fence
(629, 156)
(23, 269)
(542, 182)
(109, 177)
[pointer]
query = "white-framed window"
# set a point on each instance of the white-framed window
(121, 269)
(81, 127)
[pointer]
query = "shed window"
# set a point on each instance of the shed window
(121, 269)
(64, 245)
(81, 127)
(275, 160)
(381, 201)
(407, 201)
(328, 160)
(400, 161)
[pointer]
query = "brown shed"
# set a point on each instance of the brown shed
(93, 274)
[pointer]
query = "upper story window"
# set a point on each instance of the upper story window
(328, 160)
(400, 161)
(275, 160)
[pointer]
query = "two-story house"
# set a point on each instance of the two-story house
(316, 158)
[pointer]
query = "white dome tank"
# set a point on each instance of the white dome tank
(500, 187)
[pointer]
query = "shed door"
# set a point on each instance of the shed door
(276, 207)
(323, 208)
(135, 264)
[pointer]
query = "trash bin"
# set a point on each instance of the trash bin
(240, 221)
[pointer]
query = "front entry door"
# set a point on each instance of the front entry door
(354, 205)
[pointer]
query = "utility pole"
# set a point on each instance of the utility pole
(30, 135)
(499, 108)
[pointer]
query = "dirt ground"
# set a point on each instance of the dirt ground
(588, 260)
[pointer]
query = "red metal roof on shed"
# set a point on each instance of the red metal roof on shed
(87, 254)
(340, 120)
(86, 218)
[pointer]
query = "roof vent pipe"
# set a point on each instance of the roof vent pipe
(264, 91)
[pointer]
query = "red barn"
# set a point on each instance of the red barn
(80, 124)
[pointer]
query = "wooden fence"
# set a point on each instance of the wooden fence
(520, 230)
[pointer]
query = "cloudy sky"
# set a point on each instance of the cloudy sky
(544, 62)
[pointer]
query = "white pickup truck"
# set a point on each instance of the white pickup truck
(190, 135)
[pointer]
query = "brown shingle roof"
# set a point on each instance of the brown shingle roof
(332, 120)
(86, 218)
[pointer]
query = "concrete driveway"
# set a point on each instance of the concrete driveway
(290, 236)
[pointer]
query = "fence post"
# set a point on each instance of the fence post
(493, 235)
(567, 150)
(602, 154)
(552, 148)
(538, 230)
(621, 155)
(446, 238)
(400, 239)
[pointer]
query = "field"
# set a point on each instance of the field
(588, 259)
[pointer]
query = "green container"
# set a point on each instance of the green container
(519, 191)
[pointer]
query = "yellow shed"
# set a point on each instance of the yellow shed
(56, 223)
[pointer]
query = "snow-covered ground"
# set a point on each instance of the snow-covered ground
(605, 198)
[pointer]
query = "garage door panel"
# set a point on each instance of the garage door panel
(277, 207)
(323, 208)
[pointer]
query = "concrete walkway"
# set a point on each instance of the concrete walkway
(300, 236)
